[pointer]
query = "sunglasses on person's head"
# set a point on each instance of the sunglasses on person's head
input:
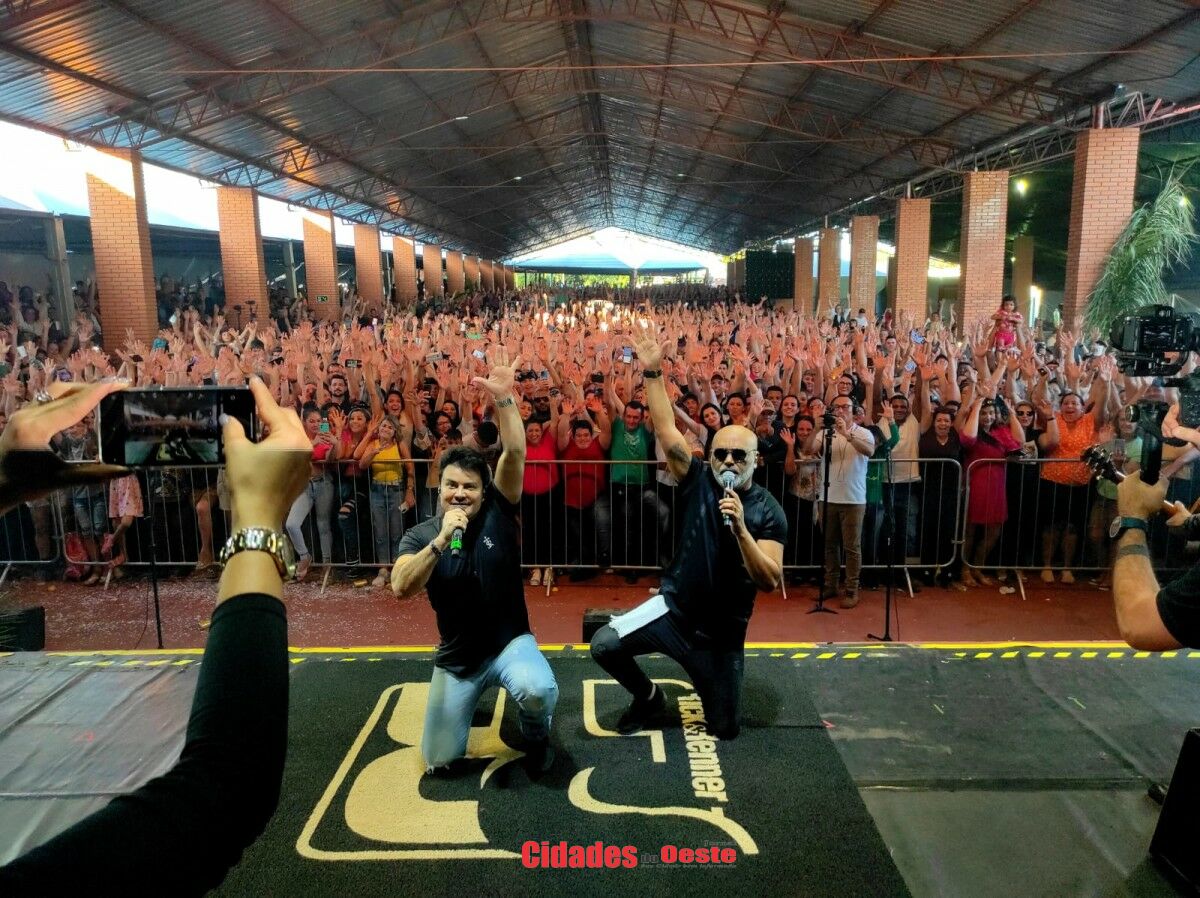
(738, 455)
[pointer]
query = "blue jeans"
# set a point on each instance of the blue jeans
(387, 520)
(317, 495)
(519, 668)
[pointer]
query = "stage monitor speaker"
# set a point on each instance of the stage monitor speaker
(1174, 842)
(768, 274)
(595, 618)
(24, 630)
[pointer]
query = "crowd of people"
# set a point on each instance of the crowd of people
(901, 416)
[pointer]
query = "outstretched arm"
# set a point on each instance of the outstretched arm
(510, 469)
(675, 448)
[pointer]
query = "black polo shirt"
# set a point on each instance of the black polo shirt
(707, 582)
(1179, 608)
(479, 597)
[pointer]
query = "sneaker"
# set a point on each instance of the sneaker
(1047, 575)
(539, 757)
(641, 712)
(535, 579)
(850, 599)
(1068, 577)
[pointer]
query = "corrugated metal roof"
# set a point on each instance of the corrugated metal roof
(693, 127)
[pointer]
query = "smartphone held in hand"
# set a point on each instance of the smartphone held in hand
(163, 426)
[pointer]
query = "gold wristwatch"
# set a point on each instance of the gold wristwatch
(259, 539)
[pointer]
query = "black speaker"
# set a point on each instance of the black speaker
(769, 274)
(24, 630)
(1174, 842)
(595, 618)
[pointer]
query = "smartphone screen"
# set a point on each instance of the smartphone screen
(165, 426)
(910, 365)
(324, 427)
(479, 354)
(627, 355)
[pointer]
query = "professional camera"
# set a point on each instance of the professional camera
(1156, 342)
(827, 420)
(1143, 341)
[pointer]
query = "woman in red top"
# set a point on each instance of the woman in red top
(988, 441)
(318, 494)
(538, 523)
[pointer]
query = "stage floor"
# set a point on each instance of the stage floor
(977, 770)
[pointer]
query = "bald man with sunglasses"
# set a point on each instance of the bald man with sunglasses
(730, 547)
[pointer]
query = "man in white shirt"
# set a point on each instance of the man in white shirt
(904, 482)
(850, 450)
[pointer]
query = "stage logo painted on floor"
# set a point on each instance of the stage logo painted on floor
(668, 786)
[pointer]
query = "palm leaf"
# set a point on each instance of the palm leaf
(1157, 237)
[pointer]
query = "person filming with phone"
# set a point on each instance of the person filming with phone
(180, 833)
(1153, 617)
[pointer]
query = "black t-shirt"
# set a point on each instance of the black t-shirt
(1179, 608)
(479, 597)
(707, 582)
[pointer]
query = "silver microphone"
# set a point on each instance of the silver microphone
(728, 479)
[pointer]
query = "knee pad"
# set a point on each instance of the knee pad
(605, 642)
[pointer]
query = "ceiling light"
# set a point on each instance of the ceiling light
(1022, 185)
(517, 178)
(461, 118)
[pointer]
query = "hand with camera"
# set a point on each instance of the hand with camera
(1172, 429)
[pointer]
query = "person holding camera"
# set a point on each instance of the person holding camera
(468, 561)
(180, 833)
(850, 447)
(1152, 617)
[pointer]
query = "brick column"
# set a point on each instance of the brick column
(891, 282)
(432, 261)
(487, 275)
(739, 275)
(242, 264)
(981, 250)
(510, 278)
(912, 259)
(1022, 272)
(730, 273)
(802, 288)
(1101, 203)
(471, 271)
(864, 242)
(829, 269)
(454, 272)
(368, 268)
(121, 246)
(404, 271)
(320, 266)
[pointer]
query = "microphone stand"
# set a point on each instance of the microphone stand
(889, 531)
(820, 608)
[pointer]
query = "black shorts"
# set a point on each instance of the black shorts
(1060, 504)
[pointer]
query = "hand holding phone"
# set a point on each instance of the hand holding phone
(165, 426)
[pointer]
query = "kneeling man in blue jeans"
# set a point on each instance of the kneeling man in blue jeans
(478, 593)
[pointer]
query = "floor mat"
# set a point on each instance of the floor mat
(358, 815)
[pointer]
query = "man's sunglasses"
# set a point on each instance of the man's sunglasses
(738, 455)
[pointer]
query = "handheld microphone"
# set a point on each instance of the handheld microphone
(728, 479)
(456, 542)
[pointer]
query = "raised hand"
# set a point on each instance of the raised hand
(503, 376)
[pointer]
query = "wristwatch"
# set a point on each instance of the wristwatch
(1120, 524)
(259, 539)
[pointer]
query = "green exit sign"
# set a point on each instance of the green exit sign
(322, 298)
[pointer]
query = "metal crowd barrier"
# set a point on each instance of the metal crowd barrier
(1021, 517)
(628, 520)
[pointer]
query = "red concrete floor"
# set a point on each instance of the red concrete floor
(79, 617)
